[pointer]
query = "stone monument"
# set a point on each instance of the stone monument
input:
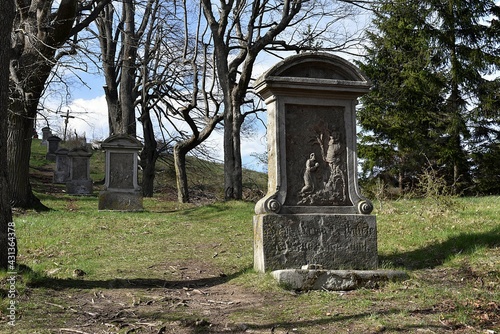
(62, 171)
(121, 191)
(52, 147)
(79, 182)
(313, 215)
(46, 133)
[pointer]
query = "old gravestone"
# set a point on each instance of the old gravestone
(313, 215)
(313, 212)
(79, 182)
(46, 133)
(62, 170)
(52, 147)
(121, 190)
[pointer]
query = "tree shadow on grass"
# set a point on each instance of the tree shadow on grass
(128, 283)
(437, 254)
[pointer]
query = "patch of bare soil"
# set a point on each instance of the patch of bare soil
(199, 302)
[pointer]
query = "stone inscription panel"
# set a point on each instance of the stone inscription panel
(121, 170)
(333, 241)
(80, 168)
(316, 156)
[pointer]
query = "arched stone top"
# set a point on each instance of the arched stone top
(316, 65)
(313, 73)
(121, 141)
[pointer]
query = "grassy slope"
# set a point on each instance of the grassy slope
(451, 252)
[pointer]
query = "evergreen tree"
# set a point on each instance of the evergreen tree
(398, 116)
(428, 62)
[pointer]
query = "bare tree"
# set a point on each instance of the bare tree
(190, 108)
(40, 30)
(166, 81)
(7, 14)
(241, 30)
(119, 38)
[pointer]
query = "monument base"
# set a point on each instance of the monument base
(79, 187)
(60, 177)
(332, 241)
(120, 200)
(335, 280)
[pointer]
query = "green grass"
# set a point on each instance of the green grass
(140, 264)
(452, 257)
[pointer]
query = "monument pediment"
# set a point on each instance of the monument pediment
(121, 141)
(318, 72)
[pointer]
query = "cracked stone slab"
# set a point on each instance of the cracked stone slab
(335, 280)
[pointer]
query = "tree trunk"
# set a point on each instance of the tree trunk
(180, 173)
(36, 39)
(149, 155)
(233, 172)
(6, 18)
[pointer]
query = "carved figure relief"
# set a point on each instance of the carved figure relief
(325, 181)
(311, 167)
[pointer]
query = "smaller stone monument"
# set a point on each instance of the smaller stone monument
(62, 170)
(121, 190)
(80, 182)
(46, 133)
(52, 147)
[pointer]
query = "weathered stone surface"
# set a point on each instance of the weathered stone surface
(62, 171)
(313, 212)
(120, 201)
(53, 146)
(79, 187)
(121, 189)
(80, 182)
(335, 280)
(332, 241)
(46, 133)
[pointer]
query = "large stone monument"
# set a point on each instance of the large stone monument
(79, 182)
(313, 212)
(313, 215)
(121, 190)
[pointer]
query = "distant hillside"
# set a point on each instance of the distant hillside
(206, 179)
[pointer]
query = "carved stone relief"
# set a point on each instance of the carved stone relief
(316, 156)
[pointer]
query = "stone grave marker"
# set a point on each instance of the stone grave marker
(79, 182)
(62, 171)
(121, 190)
(52, 147)
(46, 133)
(313, 215)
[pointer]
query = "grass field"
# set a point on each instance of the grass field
(184, 268)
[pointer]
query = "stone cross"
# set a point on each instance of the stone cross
(313, 212)
(121, 189)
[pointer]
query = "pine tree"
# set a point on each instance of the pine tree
(428, 62)
(398, 116)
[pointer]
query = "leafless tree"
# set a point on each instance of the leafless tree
(41, 37)
(241, 30)
(165, 79)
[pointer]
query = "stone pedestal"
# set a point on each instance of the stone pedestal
(121, 190)
(333, 241)
(313, 212)
(53, 146)
(62, 172)
(80, 182)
